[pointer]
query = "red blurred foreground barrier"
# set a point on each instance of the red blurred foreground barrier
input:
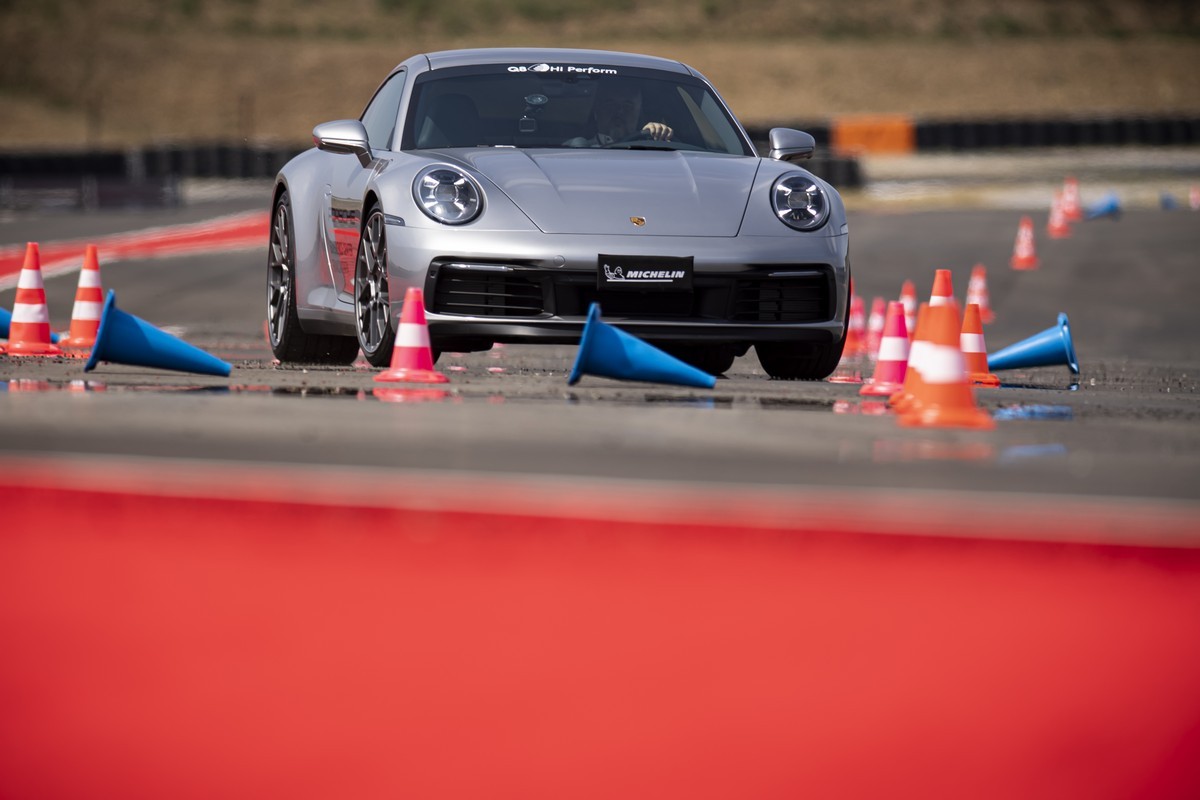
(233, 632)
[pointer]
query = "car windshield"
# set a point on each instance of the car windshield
(568, 106)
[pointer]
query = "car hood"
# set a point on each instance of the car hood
(601, 191)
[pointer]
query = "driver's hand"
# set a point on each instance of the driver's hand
(658, 131)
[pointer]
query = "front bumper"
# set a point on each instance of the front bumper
(538, 288)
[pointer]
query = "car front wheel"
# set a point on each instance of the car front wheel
(289, 342)
(372, 302)
(803, 361)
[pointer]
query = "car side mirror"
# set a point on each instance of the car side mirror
(791, 145)
(344, 136)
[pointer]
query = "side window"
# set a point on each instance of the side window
(380, 117)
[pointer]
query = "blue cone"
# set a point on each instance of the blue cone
(6, 322)
(1168, 201)
(1109, 206)
(1051, 346)
(126, 339)
(612, 353)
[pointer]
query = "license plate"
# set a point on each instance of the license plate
(644, 273)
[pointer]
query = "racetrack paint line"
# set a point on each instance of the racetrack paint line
(169, 644)
(234, 232)
(1084, 520)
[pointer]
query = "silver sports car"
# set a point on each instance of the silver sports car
(516, 187)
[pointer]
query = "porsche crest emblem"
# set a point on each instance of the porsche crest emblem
(639, 221)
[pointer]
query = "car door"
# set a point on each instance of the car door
(348, 180)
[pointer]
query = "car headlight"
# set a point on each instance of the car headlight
(447, 195)
(799, 202)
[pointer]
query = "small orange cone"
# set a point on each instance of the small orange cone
(977, 293)
(1057, 226)
(974, 349)
(412, 358)
(1194, 197)
(29, 329)
(875, 324)
(1024, 254)
(89, 304)
(908, 298)
(943, 290)
(943, 396)
(1072, 208)
(856, 341)
(905, 399)
(892, 359)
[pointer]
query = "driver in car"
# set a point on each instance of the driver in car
(616, 111)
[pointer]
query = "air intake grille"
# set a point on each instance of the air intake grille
(480, 293)
(793, 299)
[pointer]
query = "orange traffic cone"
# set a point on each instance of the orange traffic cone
(1072, 208)
(905, 399)
(89, 304)
(943, 396)
(412, 358)
(892, 360)
(908, 299)
(977, 293)
(1024, 255)
(856, 342)
(974, 349)
(1194, 197)
(943, 290)
(875, 323)
(1056, 226)
(29, 329)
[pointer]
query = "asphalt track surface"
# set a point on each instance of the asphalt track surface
(285, 583)
(1125, 427)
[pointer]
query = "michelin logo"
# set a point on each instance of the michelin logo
(643, 275)
(571, 69)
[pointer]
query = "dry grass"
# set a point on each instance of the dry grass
(121, 73)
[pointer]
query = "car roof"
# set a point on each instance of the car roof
(536, 55)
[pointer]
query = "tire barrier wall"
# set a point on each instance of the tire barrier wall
(150, 175)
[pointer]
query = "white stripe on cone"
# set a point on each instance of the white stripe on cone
(941, 364)
(31, 314)
(30, 279)
(972, 343)
(89, 279)
(939, 300)
(410, 335)
(84, 309)
(893, 348)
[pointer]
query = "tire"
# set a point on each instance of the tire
(803, 361)
(715, 359)
(372, 300)
(289, 342)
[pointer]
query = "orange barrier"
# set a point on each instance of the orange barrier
(873, 134)
(250, 634)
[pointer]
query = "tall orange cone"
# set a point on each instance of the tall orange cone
(89, 304)
(905, 399)
(943, 396)
(1194, 197)
(412, 357)
(1057, 226)
(892, 360)
(29, 329)
(875, 324)
(943, 290)
(1072, 208)
(974, 349)
(977, 293)
(908, 298)
(1024, 254)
